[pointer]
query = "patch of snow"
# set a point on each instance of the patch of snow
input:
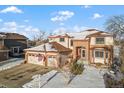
(11, 64)
(81, 35)
(41, 47)
(40, 80)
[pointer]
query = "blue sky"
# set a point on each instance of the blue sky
(29, 20)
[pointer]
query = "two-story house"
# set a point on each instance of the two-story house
(13, 42)
(4, 52)
(91, 45)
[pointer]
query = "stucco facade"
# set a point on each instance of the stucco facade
(92, 45)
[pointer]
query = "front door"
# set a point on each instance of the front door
(78, 52)
(83, 54)
(15, 50)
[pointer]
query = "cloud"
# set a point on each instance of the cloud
(86, 6)
(60, 30)
(97, 15)
(11, 9)
(26, 20)
(61, 24)
(12, 26)
(1, 20)
(62, 16)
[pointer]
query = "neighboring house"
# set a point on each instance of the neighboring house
(14, 42)
(4, 52)
(49, 54)
(93, 46)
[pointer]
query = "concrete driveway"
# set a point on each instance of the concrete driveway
(91, 78)
(10, 63)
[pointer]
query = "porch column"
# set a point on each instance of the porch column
(105, 56)
(109, 56)
(93, 55)
(59, 60)
(26, 57)
(46, 63)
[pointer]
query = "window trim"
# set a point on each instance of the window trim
(61, 40)
(99, 42)
(99, 53)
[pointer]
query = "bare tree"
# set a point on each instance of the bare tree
(115, 25)
(39, 38)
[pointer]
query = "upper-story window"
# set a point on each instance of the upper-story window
(51, 39)
(62, 39)
(100, 40)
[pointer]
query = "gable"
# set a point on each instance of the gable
(100, 34)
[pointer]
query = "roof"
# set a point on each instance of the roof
(81, 35)
(49, 47)
(2, 36)
(100, 34)
(59, 36)
(77, 35)
(12, 35)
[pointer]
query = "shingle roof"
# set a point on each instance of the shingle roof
(12, 35)
(78, 35)
(59, 47)
(82, 34)
(51, 46)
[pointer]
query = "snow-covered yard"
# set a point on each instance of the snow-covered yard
(10, 63)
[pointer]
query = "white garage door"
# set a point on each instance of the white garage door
(52, 61)
(36, 59)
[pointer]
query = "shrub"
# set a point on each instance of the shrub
(77, 67)
(122, 68)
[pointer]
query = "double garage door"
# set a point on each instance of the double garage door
(40, 60)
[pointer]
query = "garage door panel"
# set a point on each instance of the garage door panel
(52, 61)
(35, 60)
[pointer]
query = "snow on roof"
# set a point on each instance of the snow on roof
(78, 35)
(51, 46)
(2, 35)
(41, 48)
(82, 34)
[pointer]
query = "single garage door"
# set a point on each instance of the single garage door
(36, 59)
(52, 61)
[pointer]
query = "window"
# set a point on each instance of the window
(99, 40)
(1, 42)
(62, 39)
(83, 53)
(99, 54)
(71, 43)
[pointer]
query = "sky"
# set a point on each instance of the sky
(31, 20)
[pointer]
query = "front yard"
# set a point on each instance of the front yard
(21, 74)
